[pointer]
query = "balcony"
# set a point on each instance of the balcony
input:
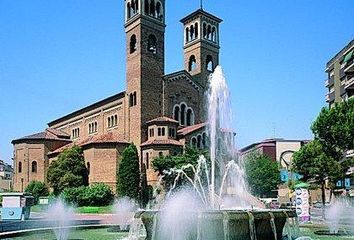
(327, 83)
(349, 84)
(349, 67)
(330, 97)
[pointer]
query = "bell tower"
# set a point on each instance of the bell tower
(145, 56)
(201, 44)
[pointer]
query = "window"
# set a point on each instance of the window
(183, 114)
(213, 34)
(152, 8)
(147, 160)
(209, 32)
(132, 99)
(192, 65)
(204, 140)
(192, 33)
(152, 132)
(112, 121)
(199, 141)
(187, 34)
(20, 167)
(146, 7)
(152, 44)
(93, 127)
(128, 11)
(171, 132)
(193, 142)
(34, 166)
(161, 131)
(159, 11)
(209, 63)
(88, 168)
(75, 133)
(133, 46)
(190, 117)
(160, 154)
(204, 30)
(176, 113)
(196, 30)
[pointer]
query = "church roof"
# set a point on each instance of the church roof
(88, 108)
(110, 137)
(48, 134)
(162, 142)
(183, 74)
(187, 130)
(201, 12)
(163, 120)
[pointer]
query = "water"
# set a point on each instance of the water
(339, 213)
(124, 209)
(222, 186)
(62, 217)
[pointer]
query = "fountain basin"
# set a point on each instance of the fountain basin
(222, 224)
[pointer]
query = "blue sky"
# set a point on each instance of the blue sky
(57, 56)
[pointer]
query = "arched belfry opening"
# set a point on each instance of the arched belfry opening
(133, 43)
(152, 44)
(201, 44)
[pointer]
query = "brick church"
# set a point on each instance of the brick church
(160, 113)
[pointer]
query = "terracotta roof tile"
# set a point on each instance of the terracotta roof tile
(162, 142)
(187, 130)
(46, 135)
(163, 119)
(110, 137)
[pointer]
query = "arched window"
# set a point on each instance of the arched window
(192, 65)
(194, 142)
(128, 11)
(152, 44)
(133, 46)
(176, 113)
(152, 8)
(213, 34)
(196, 30)
(209, 63)
(183, 114)
(147, 160)
(88, 168)
(190, 117)
(20, 167)
(134, 99)
(146, 7)
(136, 5)
(192, 32)
(133, 8)
(199, 141)
(158, 11)
(96, 127)
(187, 34)
(204, 30)
(34, 166)
(209, 32)
(204, 139)
(109, 122)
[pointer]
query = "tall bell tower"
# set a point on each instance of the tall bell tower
(145, 55)
(201, 44)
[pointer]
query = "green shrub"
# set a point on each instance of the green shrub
(37, 189)
(97, 194)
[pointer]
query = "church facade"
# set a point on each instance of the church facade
(160, 113)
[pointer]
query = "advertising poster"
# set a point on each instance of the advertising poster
(302, 204)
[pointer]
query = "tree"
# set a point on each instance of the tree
(68, 170)
(37, 189)
(128, 177)
(164, 164)
(314, 163)
(262, 174)
(334, 127)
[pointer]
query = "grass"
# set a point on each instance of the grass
(95, 210)
(87, 234)
(310, 232)
(87, 210)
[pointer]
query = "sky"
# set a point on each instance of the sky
(57, 56)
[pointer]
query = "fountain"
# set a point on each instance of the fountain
(61, 216)
(216, 204)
